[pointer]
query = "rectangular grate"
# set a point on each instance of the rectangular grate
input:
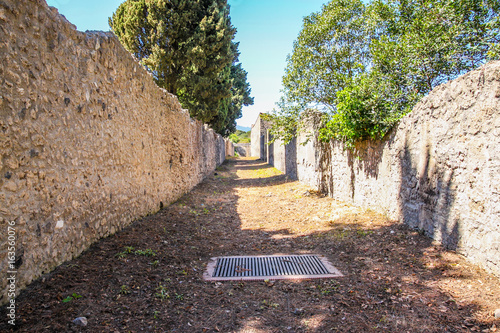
(276, 267)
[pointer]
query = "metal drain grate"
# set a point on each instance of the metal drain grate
(278, 267)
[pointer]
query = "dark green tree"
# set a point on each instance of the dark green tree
(160, 35)
(187, 46)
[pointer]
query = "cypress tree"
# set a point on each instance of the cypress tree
(187, 46)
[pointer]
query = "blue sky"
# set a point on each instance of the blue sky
(266, 31)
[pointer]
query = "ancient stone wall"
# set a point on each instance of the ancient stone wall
(258, 139)
(308, 152)
(88, 142)
(438, 171)
(243, 149)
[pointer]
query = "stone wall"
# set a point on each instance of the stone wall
(258, 139)
(308, 153)
(243, 149)
(284, 157)
(438, 171)
(88, 142)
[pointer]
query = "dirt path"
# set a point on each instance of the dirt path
(149, 276)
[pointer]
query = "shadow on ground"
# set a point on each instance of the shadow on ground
(148, 277)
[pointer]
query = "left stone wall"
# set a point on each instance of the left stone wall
(88, 142)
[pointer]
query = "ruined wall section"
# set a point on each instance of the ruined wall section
(309, 151)
(88, 142)
(438, 171)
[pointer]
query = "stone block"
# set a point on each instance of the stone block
(437, 170)
(88, 134)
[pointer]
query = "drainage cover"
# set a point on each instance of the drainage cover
(276, 267)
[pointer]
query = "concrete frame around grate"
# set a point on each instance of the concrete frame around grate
(332, 271)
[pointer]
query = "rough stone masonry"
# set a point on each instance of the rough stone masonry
(437, 171)
(88, 142)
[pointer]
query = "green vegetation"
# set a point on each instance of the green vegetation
(363, 233)
(268, 304)
(366, 65)
(188, 47)
(328, 287)
(162, 293)
(147, 253)
(124, 290)
(240, 137)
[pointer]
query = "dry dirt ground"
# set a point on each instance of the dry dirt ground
(148, 277)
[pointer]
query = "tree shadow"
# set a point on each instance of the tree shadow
(365, 157)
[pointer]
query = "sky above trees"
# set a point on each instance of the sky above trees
(265, 29)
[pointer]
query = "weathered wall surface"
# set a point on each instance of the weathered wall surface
(88, 142)
(308, 152)
(258, 139)
(284, 157)
(438, 171)
(229, 148)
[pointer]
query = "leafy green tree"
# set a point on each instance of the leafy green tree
(243, 137)
(331, 49)
(415, 46)
(365, 109)
(367, 66)
(187, 46)
(433, 41)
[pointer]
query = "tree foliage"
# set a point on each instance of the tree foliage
(240, 137)
(187, 46)
(366, 66)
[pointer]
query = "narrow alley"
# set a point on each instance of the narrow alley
(148, 277)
